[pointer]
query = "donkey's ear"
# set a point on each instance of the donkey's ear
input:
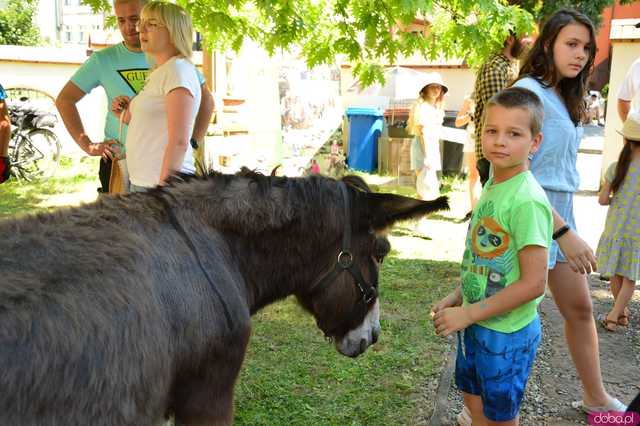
(386, 209)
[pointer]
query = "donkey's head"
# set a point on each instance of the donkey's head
(344, 298)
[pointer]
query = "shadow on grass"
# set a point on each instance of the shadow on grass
(437, 216)
(408, 232)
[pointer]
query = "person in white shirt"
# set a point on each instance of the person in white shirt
(629, 92)
(161, 116)
(425, 124)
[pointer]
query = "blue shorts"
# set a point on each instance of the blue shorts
(562, 202)
(496, 367)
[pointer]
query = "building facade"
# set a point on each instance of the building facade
(602, 63)
(68, 22)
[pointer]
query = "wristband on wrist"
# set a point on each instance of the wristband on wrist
(560, 232)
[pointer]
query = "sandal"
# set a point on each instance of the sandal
(613, 404)
(607, 324)
(623, 319)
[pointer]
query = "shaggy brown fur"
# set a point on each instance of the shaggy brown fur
(106, 317)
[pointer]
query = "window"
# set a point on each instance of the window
(67, 36)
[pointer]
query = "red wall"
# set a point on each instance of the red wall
(600, 75)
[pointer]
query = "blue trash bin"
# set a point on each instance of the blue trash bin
(365, 125)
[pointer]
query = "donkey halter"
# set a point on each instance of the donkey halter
(344, 261)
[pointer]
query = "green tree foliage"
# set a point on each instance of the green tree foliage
(543, 9)
(366, 32)
(17, 23)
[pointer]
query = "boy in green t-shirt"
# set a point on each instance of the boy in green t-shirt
(504, 267)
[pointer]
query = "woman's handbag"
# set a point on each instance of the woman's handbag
(119, 178)
(116, 179)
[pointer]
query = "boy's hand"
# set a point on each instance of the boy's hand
(450, 320)
(450, 300)
(446, 302)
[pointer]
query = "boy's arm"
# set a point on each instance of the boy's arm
(533, 278)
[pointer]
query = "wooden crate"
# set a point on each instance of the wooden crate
(394, 158)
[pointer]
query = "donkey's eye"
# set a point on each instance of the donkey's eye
(381, 248)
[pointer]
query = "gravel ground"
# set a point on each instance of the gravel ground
(553, 384)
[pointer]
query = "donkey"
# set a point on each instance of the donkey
(137, 307)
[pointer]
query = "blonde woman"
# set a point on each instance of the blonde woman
(161, 117)
(425, 124)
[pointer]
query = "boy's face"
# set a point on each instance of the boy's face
(507, 139)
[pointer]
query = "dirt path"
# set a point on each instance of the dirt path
(553, 384)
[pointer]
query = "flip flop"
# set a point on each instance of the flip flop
(613, 405)
(464, 417)
(607, 324)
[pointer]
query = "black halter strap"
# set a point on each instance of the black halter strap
(180, 229)
(345, 260)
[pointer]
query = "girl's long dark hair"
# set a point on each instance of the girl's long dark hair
(623, 164)
(539, 63)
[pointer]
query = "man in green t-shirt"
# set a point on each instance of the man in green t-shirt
(504, 267)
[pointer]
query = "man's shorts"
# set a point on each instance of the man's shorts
(496, 367)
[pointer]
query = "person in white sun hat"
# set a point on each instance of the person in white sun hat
(425, 124)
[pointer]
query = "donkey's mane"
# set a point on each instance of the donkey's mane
(247, 203)
(250, 202)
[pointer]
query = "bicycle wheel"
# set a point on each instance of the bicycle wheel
(37, 155)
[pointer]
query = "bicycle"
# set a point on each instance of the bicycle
(34, 150)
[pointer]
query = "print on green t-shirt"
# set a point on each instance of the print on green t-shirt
(134, 78)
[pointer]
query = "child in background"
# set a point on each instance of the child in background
(504, 267)
(314, 169)
(619, 247)
(425, 124)
(334, 159)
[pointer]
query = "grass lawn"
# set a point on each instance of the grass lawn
(75, 181)
(291, 375)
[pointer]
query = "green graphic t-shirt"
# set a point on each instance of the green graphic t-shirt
(509, 216)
